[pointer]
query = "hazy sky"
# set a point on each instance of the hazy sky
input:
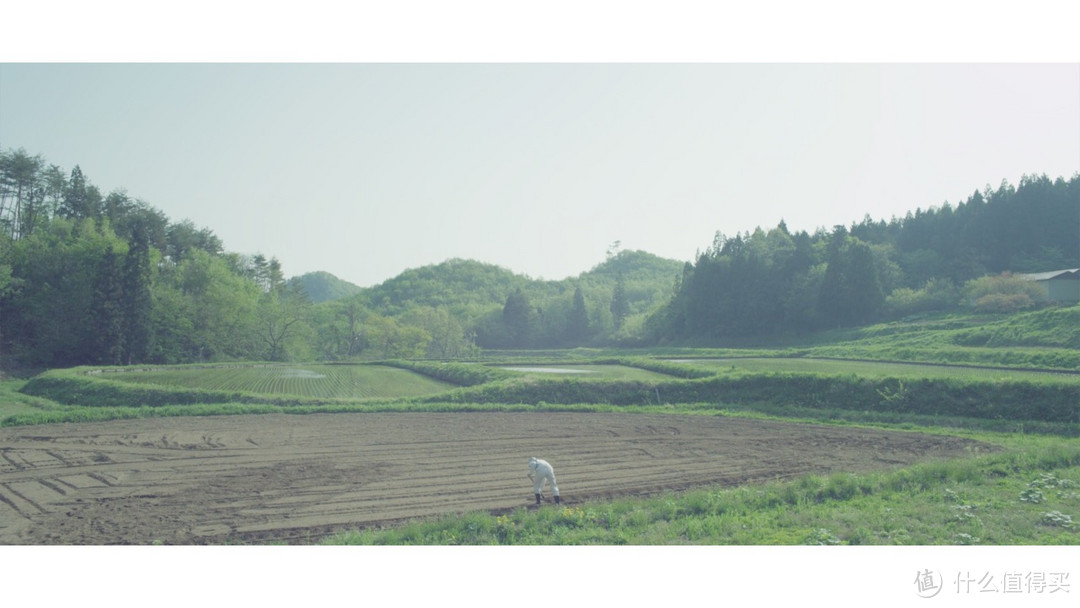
(364, 169)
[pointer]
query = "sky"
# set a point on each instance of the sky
(367, 168)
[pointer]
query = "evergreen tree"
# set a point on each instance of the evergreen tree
(137, 299)
(620, 305)
(260, 271)
(578, 325)
(519, 318)
(851, 290)
(863, 283)
(106, 313)
(22, 192)
(82, 200)
(75, 204)
(275, 277)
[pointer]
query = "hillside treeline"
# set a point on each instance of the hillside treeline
(93, 278)
(782, 282)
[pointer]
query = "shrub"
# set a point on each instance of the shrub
(936, 294)
(1057, 519)
(1002, 293)
(1003, 303)
(821, 536)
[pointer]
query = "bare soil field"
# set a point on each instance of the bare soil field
(296, 479)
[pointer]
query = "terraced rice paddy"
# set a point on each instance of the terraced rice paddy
(590, 371)
(876, 369)
(319, 381)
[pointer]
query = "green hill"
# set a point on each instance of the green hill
(476, 292)
(458, 285)
(322, 286)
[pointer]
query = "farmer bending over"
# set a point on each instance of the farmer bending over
(539, 472)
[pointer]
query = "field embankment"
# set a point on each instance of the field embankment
(869, 389)
(275, 384)
(1045, 401)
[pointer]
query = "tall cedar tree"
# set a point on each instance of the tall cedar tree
(851, 291)
(620, 305)
(519, 318)
(578, 325)
(137, 301)
(107, 313)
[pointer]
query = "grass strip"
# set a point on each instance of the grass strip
(1025, 496)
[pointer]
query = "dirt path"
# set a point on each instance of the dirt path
(298, 478)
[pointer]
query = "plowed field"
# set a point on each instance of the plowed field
(298, 478)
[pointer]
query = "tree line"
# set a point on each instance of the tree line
(782, 282)
(88, 277)
(93, 278)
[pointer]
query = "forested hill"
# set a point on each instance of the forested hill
(464, 285)
(613, 296)
(778, 282)
(104, 278)
(458, 285)
(322, 286)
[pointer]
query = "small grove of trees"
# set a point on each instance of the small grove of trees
(935, 294)
(350, 329)
(86, 278)
(850, 291)
(447, 338)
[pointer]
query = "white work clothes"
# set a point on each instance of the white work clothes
(540, 471)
